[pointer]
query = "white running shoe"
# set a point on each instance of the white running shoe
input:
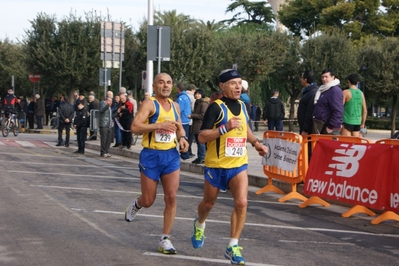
(131, 210)
(166, 247)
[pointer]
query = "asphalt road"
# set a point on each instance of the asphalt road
(58, 208)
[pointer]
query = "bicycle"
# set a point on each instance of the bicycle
(55, 121)
(8, 124)
(135, 136)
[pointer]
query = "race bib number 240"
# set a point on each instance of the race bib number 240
(235, 147)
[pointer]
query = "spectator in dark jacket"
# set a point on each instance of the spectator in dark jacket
(255, 116)
(47, 108)
(197, 115)
(94, 104)
(80, 124)
(54, 105)
(115, 115)
(39, 111)
(274, 112)
(81, 99)
(31, 113)
(329, 106)
(258, 114)
(65, 111)
(125, 111)
(306, 103)
(24, 104)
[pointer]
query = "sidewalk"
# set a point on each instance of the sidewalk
(255, 169)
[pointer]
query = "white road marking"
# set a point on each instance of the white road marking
(214, 221)
(79, 210)
(71, 188)
(24, 143)
(202, 259)
(87, 221)
(261, 225)
(316, 242)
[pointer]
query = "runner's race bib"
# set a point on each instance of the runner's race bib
(164, 136)
(235, 147)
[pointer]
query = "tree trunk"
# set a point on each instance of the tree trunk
(72, 85)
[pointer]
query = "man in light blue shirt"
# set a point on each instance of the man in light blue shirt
(185, 112)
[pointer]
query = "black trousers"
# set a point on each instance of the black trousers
(81, 135)
(31, 120)
(126, 136)
(61, 127)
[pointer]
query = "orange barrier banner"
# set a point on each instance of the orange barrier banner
(356, 173)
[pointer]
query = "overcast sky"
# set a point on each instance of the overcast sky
(16, 14)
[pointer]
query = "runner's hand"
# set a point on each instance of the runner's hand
(233, 123)
(168, 125)
(261, 149)
(183, 144)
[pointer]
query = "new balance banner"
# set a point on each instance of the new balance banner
(360, 174)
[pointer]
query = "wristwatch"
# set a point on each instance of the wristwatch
(183, 137)
(253, 143)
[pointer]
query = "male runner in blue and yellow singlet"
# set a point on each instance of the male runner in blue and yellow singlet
(225, 130)
(160, 124)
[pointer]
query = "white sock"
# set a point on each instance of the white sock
(199, 225)
(233, 242)
(164, 236)
(137, 204)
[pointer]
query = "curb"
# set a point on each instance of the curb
(44, 131)
(253, 180)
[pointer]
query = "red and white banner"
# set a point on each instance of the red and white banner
(360, 174)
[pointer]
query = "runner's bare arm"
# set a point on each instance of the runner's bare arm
(139, 125)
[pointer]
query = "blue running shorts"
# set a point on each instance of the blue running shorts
(219, 177)
(156, 163)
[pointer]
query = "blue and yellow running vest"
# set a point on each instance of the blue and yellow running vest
(229, 150)
(161, 139)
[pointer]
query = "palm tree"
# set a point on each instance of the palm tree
(211, 25)
(255, 12)
(171, 18)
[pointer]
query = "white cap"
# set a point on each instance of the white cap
(244, 85)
